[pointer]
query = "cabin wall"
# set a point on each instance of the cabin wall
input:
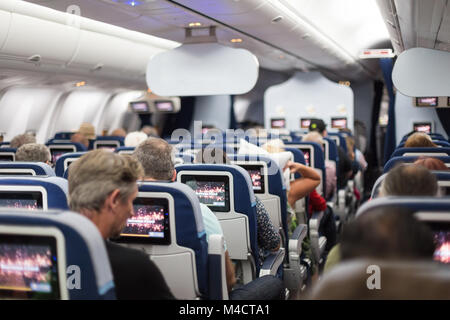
(213, 110)
(85, 105)
(308, 95)
(115, 112)
(25, 109)
(406, 114)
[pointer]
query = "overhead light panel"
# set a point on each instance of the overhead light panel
(195, 24)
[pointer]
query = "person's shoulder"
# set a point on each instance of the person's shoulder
(124, 253)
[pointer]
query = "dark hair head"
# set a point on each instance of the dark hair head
(409, 180)
(212, 156)
(387, 233)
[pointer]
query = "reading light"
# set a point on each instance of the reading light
(80, 84)
(195, 24)
(133, 3)
(236, 40)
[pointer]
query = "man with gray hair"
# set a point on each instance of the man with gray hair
(102, 187)
(22, 139)
(34, 152)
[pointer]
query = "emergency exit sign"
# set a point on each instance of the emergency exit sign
(376, 53)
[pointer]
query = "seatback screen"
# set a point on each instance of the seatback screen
(256, 173)
(278, 123)
(57, 153)
(441, 237)
(150, 222)
(307, 155)
(30, 200)
(164, 106)
(140, 106)
(28, 267)
(213, 191)
(427, 101)
(339, 122)
(422, 127)
(6, 157)
(304, 123)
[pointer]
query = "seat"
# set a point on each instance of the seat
(60, 148)
(313, 155)
(5, 144)
(442, 143)
(125, 150)
(64, 162)
(443, 178)
(272, 194)
(339, 139)
(63, 135)
(408, 159)
(33, 192)
(416, 204)
(192, 265)
(107, 142)
(26, 168)
(431, 152)
(7, 154)
(229, 190)
(412, 280)
(83, 271)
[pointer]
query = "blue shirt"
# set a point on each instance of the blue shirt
(211, 223)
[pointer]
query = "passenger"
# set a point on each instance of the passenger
(403, 180)
(157, 156)
(79, 138)
(22, 139)
(102, 187)
(268, 236)
(135, 138)
(119, 132)
(419, 140)
(409, 180)
(299, 188)
(150, 131)
(387, 233)
(344, 169)
(88, 131)
(330, 166)
(431, 163)
(34, 152)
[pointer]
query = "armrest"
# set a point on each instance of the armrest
(217, 277)
(272, 263)
(314, 221)
(295, 241)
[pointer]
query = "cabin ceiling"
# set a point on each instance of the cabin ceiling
(297, 41)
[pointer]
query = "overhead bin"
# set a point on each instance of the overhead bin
(29, 36)
(421, 72)
(46, 38)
